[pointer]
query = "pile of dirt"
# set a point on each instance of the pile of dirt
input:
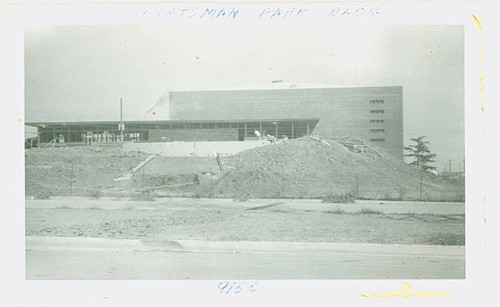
(309, 168)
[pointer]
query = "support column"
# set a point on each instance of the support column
(245, 131)
(308, 131)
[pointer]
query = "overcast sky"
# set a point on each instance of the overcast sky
(78, 73)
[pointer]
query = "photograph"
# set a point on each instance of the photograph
(251, 152)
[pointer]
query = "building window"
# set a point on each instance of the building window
(377, 121)
(377, 111)
(377, 130)
(377, 140)
(376, 101)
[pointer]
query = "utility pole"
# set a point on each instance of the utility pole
(71, 180)
(282, 181)
(449, 162)
(420, 187)
(357, 186)
(143, 184)
(211, 184)
(121, 124)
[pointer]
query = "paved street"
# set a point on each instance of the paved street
(74, 258)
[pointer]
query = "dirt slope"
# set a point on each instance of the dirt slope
(89, 171)
(308, 168)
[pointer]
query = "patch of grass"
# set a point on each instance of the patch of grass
(143, 195)
(448, 239)
(63, 207)
(459, 197)
(402, 192)
(241, 198)
(346, 198)
(42, 195)
(337, 210)
(280, 211)
(368, 211)
(94, 194)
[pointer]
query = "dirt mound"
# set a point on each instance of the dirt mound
(308, 168)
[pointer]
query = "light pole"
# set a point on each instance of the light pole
(121, 124)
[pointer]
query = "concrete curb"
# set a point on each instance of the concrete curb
(101, 244)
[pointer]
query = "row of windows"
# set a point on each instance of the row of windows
(377, 121)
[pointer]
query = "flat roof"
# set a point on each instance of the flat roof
(279, 86)
(172, 121)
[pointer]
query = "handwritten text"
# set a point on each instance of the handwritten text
(236, 287)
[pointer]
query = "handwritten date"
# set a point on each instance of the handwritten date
(236, 287)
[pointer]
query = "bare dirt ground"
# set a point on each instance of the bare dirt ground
(222, 221)
(301, 168)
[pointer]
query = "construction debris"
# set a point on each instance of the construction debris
(143, 163)
(219, 162)
(125, 177)
(318, 139)
(152, 188)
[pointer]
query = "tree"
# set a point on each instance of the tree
(421, 154)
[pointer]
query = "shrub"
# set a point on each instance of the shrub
(369, 211)
(337, 210)
(339, 198)
(460, 197)
(447, 239)
(44, 194)
(94, 194)
(402, 191)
